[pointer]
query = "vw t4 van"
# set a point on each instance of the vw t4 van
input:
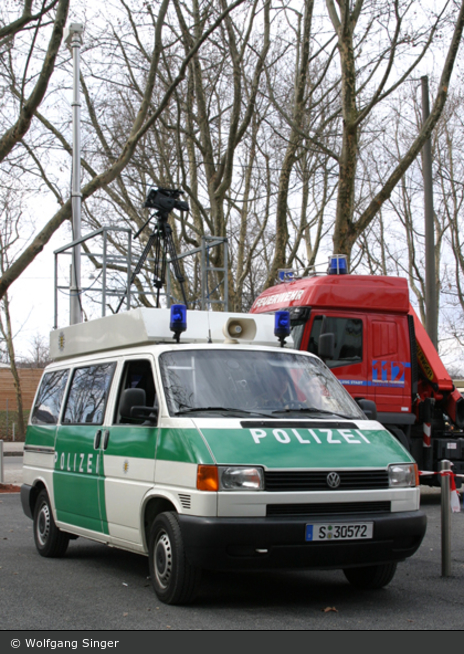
(200, 442)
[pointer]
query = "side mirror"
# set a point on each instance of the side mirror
(146, 413)
(426, 409)
(369, 407)
(133, 406)
(326, 346)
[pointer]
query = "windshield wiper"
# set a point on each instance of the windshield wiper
(226, 409)
(313, 410)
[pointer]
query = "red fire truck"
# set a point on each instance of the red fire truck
(380, 352)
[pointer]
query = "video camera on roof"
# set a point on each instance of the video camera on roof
(165, 200)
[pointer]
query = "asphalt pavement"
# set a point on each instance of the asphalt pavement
(95, 587)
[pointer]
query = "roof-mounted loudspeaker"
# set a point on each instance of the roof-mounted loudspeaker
(239, 329)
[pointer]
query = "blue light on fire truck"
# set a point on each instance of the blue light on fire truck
(338, 265)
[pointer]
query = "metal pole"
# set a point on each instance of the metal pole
(55, 319)
(445, 520)
(430, 282)
(2, 476)
(105, 254)
(204, 275)
(74, 41)
(226, 275)
(129, 267)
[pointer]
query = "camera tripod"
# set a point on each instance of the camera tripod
(162, 241)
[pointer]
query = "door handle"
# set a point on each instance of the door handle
(97, 439)
(106, 438)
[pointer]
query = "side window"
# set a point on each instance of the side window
(348, 339)
(88, 394)
(48, 403)
(136, 374)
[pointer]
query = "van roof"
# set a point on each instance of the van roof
(150, 326)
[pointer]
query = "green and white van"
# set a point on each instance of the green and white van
(215, 450)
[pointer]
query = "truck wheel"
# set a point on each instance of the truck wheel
(371, 577)
(174, 579)
(49, 540)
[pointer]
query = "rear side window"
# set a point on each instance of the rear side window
(88, 394)
(48, 403)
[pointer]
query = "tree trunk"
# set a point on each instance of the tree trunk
(8, 336)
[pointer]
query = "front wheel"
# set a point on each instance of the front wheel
(49, 540)
(371, 577)
(174, 579)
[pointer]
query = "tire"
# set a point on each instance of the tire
(174, 579)
(371, 577)
(49, 540)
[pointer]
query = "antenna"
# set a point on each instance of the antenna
(73, 40)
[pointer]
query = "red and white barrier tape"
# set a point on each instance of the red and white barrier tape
(455, 499)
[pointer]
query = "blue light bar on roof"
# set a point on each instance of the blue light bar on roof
(178, 322)
(285, 275)
(338, 265)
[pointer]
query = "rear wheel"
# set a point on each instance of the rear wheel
(49, 540)
(174, 579)
(372, 576)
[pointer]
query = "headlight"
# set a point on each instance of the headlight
(402, 475)
(234, 478)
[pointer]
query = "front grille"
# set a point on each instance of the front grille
(317, 481)
(340, 508)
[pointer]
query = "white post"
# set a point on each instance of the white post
(2, 476)
(73, 40)
(445, 520)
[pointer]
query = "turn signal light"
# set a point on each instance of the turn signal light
(207, 478)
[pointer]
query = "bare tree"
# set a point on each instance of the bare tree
(9, 236)
(357, 103)
(302, 51)
(39, 353)
(145, 118)
(28, 105)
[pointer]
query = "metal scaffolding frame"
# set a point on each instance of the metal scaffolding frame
(107, 259)
(207, 300)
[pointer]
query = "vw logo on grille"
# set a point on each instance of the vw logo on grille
(333, 480)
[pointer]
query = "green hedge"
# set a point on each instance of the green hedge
(8, 418)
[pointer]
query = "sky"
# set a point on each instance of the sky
(32, 299)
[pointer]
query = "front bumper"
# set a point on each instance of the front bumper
(279, 542)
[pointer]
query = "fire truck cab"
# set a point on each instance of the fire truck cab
(381, 352)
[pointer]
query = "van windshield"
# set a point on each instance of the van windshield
(233, 382)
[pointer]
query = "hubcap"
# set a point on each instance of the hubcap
(43, 524)
(163, 560)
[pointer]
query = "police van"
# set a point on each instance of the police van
(203, 443)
